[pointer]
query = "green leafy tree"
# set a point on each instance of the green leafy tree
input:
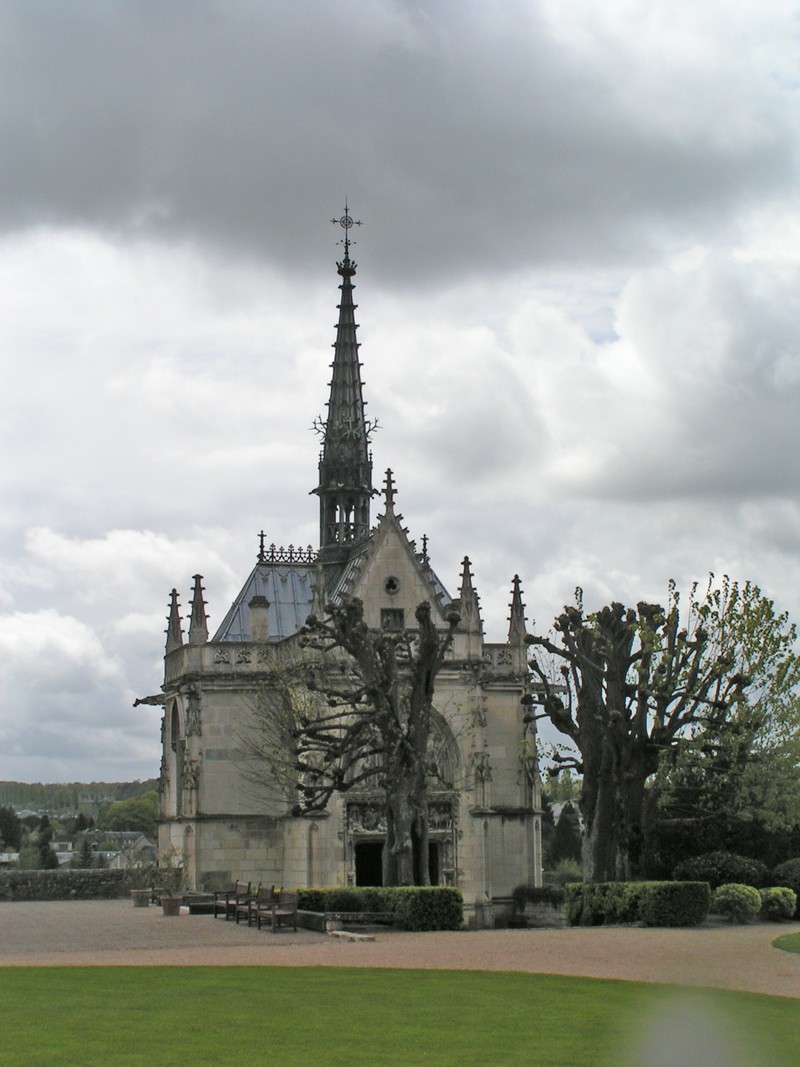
(84, 857)
(634, 690)
(137, 813)
(30, 857)
(47, 857)
(48, 860)
(10, 830)
(562, 786)
(732, 786)
(548, 827)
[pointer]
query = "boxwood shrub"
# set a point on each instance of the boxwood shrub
(416, 907)
(722, 868)
(778, 902)
(430, 907)
(653, 903)
(738, 902)
(788, 874)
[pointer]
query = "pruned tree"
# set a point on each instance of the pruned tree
(633, 688)
(356, 710)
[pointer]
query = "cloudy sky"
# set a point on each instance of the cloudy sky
(577, 287)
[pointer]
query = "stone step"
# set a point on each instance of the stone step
(349, 935)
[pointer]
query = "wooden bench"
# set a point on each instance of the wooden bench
(263, 900)
(282, 912)
(225, 903)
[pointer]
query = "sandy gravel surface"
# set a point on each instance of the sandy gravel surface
(113, 932)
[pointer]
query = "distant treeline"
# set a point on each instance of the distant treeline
(69, 797)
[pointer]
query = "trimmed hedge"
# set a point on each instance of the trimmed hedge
(20, 884)
(675, 903)
(596, 903)
(367, 898)
(430, 907)
(722, 868)
(416, 907)
(66, 883)
(652, 903)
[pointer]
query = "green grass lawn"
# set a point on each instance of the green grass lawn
(789, 942)
(328, 1017)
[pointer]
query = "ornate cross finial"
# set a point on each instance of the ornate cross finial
(261, 558)
(388, 489)
(425, 559)
(347, 222)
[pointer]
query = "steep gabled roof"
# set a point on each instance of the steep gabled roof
(390, 554)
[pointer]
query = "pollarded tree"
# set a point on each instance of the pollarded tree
(633, 687)
(357, 709)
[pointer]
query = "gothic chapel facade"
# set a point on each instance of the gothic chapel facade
(485, 832)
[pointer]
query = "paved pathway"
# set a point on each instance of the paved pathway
(113, 932)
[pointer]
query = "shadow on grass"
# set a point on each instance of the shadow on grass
(342, 1017)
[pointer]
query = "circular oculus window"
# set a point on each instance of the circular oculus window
(392, 585)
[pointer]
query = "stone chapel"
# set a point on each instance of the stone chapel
(485, 807)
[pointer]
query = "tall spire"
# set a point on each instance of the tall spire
(345, 466)
(198, 624)
(516, 620)
(470, 602)
(174, 626)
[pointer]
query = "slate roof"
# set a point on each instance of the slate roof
(289, 589)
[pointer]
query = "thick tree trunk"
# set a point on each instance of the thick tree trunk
(632, 817)
(600, 840)
(422, 867)
(615, 823)
(401, 850)
(407, 832)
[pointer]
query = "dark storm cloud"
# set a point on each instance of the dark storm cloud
(578, 295)
(459, 130)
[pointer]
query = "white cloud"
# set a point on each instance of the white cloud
(577, 278)
(63, 698)
(54, 652)
(690, 72)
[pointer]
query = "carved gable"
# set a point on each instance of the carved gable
(392, 580)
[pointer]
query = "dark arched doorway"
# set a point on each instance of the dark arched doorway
(369, 863)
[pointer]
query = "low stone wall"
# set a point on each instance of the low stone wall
(544, 914)
(16, 884)
(312, 920)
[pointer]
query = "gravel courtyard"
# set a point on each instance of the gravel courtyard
(113, 932)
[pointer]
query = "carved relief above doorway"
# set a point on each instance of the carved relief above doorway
(365, 837)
